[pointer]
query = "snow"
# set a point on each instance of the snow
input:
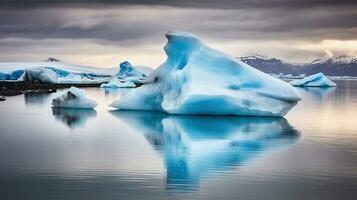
(66, 72)
(116, 83)
(316, 80)
(73, 98)
(196, 79)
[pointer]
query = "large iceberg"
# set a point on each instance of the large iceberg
(73, 98)
(55, 71)
(316, 80)
(116, 83)
(196, 79)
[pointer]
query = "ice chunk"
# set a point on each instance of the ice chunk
(316, 80)
(44, 75)
(127, 70)
(73, 98)
(196, 79)
(71, 73)
(116, 83)
(17, 75)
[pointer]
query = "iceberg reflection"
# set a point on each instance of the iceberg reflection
(73, 118)
(198, 146)
(316, 93)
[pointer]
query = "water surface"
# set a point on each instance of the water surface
(52, 153)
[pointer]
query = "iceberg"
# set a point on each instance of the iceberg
(316, 80)
(116, 83)
(196, 79)
(127, 70)
(73, 98)
(43, 75)
(128, 73)
(127, 77)
(65, 72)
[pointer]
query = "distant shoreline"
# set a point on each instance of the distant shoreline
(8, 88)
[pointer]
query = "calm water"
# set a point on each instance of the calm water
(48, 153)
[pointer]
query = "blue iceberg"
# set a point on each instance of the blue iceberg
(316, 80)
(196, 79)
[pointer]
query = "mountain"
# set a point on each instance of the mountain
(331, 66)
(268, 65)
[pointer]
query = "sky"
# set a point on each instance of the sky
(105, 33)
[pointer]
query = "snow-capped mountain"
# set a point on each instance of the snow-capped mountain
(331, 66)
(268, 65)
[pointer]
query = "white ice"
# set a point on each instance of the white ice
(316, 80)
(41, 74)
(73, 98)
(196, 79)
(116, 83)
(66, 72)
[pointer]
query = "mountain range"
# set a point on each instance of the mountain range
(331, 66)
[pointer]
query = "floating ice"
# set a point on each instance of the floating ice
(316, 80)
(196, 79)
(73, 98)
(127, 70)
(116, 83)
(66, 72)
(43, 75)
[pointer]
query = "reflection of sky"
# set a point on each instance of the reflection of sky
(195, 146)
(327, 111)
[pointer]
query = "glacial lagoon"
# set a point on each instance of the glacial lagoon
(55, 153)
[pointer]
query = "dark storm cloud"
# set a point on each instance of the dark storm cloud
(130, 23)
(186, 3)
(34, 24)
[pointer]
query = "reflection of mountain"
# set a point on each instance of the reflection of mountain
(195, 146)
(73, 118)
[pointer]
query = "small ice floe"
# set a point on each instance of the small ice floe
(116, 83)
(73, 98)
(316, 80)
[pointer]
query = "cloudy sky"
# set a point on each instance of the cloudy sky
(104, 33)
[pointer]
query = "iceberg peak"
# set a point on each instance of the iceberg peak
(127, 70)
(196, 79)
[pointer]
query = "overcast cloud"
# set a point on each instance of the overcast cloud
(107, 32)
